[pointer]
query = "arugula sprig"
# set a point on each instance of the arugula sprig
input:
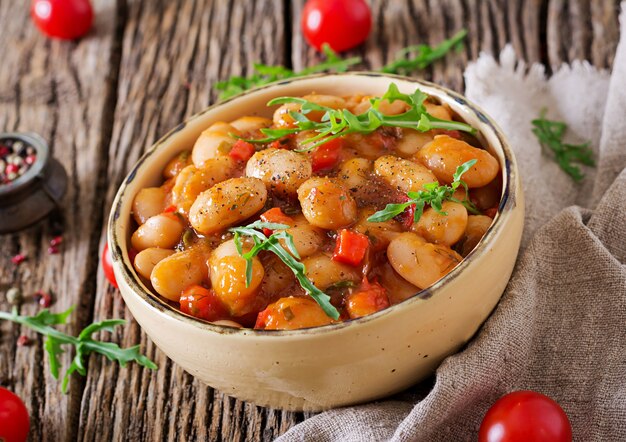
(272, 244)
(264, 74)
(337, 123)
(84, 344)
(432, 194)
(550, 135)
(425, 55)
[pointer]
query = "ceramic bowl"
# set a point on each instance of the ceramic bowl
(341, 364)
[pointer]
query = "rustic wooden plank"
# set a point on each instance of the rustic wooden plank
(61, 90)
(172, 54)
(582, 30)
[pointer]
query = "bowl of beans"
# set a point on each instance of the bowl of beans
(291, 244)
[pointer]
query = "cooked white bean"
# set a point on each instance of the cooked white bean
(444, 154)
(386, 107)
(282, 171)
(324, 272)
(212, 144)
(477, 226)
(278, 276)
(148, 202)
(161, 230)
(307, 238)
(175, 273)
(443, 229)
(192, 181)
(282, 118)
(250, 125)
(411, 142)
(398, 288)
(227, 204)
(402, 174)
(148, 258)
(326, 204)
(420, 262)
(355, 174)
(380, 234)
(228, 278)
(440, 111)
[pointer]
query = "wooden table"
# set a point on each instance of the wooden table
(145, 66)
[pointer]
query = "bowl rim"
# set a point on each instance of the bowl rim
(159, 306)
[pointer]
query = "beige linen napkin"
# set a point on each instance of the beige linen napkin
(560, 327)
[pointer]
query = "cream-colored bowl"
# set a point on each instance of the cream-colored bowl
(346, 363)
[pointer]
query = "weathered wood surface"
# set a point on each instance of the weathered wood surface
(144, 67)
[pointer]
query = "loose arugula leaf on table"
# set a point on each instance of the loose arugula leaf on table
(433, 194)
(425, 55)
(84, 344)
(264, 74)
(550, 135)
(337, 123)
(272, 244)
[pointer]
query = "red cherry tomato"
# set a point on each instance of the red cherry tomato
(14, 421)
(343, 24)
(107, 265)
(65, 19)
(525, 416)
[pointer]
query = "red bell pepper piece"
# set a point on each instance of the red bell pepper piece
(368, 299)
(351, 247)
(326, 156)
(275, 215)
(241, 150)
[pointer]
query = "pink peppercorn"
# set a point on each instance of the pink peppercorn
(18, 259)
(43, 298)
(23, 340)
(57, 240)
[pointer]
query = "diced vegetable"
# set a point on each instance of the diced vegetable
(326, 156)
(370, 298)
(241, 151)
(202, 303)
(275, 215)
(351, 247)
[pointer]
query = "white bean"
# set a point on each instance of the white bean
(403, 175)
(148, 202)
(324, 272)
(172, 275)
(282, 171)
(228, 279)
(227, 204)
(443, 229)
(212, 144)
(148, 258)
(250, 125)
(326, 204)
(163, 231)
(420, 262)
(192, 181)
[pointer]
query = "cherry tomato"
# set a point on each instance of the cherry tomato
(525, 416)
(202, 303)
(343, 24)
(64, 19)
(107, 265)
(14, 421)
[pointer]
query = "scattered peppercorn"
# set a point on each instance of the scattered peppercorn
(18, 259)
(44, 299)
(23, 340)
(14, 296)
(16, 157)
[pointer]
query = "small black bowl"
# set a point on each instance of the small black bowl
(36, 193)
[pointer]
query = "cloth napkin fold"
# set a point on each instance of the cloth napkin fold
(560, 328)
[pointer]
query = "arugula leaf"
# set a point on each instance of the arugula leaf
(84, 344)
(264, 74)
(336, 123)
(272, 244)
(550, 135)
(432, 194)
(424, 55)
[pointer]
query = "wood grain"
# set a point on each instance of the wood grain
(146, 66)
(61, 90)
